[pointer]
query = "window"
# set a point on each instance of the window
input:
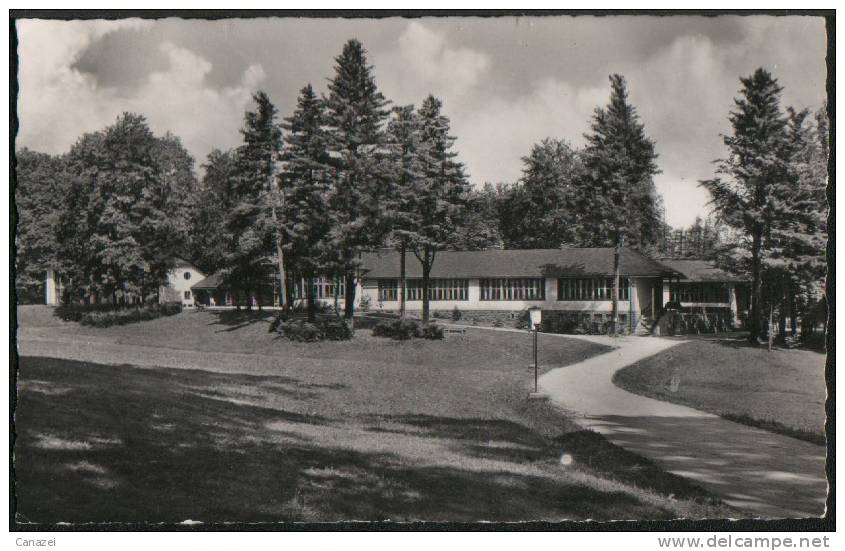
(187, 295)
(513, 289)
(595, 288)
(323, 288)
(388, 290)
(187, 275)
(699, 292)
(439, 289)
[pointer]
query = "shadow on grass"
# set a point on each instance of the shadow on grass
(238, 319)
(509, 441)
(125, 444)
(779, 428)
(461, 429)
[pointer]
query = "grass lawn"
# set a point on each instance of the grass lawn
(207, 416)
(782, 391)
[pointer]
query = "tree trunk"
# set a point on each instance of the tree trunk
(288, 291)
(312, 305)
(280, 255)
(402, 280)
(782, 311)
(754, 316)
(426, 271)
(615, 306)
(349, 300)
(793, 314)
(336, 295)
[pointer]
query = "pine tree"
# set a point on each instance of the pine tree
(795, 265)
(306, 184)
(441, 192)
(252, 223)
(356, 115)
(215, 199)
(403, 140)
(618, 199)
(619, 203)
(752, 182)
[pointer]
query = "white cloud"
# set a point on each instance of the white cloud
(424, 63)
(498, 132)
(58, 103)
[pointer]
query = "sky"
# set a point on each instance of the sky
(506, 82)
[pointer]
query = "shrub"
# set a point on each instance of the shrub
(301, 331)
(366, 302)
(106, 315)
(337, 330)
(440, 314)
(68, 312)
(383, 329)
(171, 308)
(301, 307)
(432, 332)
(404, 329)
(522, 320)
(456, 314)
(559, 323)
(276, 322)
(498, 323)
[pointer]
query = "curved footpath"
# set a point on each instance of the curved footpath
(764, 474)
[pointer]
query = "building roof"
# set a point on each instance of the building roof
(696, 270)
(211, 282)
(567, 262)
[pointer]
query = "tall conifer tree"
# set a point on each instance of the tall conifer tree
(252, 223)
(618, 199)
(403, 137)
(356, 114)
(619, 203)
(753, 181)
(306, 183)
(441, 192)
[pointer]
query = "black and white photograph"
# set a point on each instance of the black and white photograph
(286, 269)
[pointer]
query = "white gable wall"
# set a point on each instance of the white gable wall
(179, 281)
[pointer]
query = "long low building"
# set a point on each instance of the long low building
(574, 280)
(502, 283)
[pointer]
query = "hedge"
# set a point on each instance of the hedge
(327, 329)
(106, 315)
(404, 329)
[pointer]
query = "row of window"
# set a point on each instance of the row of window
(438, 289)
(591, 289)
(505, 289)
(513, 289)
(699, 292)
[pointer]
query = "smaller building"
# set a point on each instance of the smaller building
(180, 279)
(704, 289)
(182, 275)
